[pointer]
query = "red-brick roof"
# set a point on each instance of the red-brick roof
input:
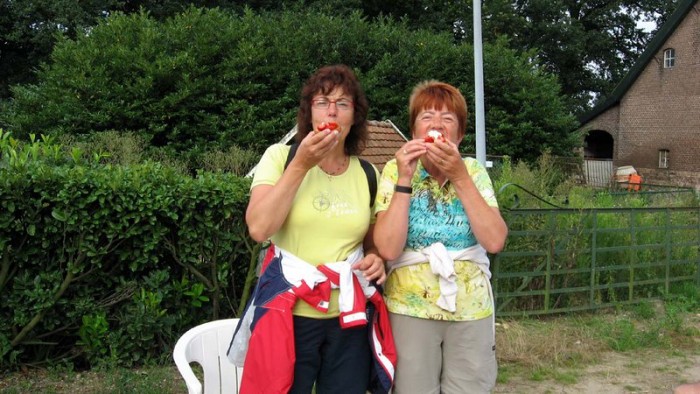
(384, 140)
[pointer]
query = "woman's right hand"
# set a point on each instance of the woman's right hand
(407, 158)
(316, 146)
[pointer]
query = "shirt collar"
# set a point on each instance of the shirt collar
(423, 174)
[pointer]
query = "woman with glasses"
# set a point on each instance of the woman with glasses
(317, 214)
(437, 217)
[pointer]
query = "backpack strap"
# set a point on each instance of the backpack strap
(371, 180)
(292, 151)
(366, 167)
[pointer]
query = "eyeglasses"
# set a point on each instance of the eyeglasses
(324, 103)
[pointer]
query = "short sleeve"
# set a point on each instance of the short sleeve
(482, 181)
(271, 165)
(385, 189)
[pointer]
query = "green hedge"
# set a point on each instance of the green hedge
(112, 263)
(207, 79)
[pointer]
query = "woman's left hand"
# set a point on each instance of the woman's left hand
(372, 267)
(446, 157)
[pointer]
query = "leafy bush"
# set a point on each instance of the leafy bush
(111, 146)
(206, 80)
(235, 160)
(548, 179)
(111, 263)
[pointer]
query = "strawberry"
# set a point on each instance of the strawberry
(329, 126)
(434, 135)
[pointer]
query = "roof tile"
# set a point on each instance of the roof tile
(384, 140)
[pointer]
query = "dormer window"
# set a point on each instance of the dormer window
(663, 158)
(669, 58)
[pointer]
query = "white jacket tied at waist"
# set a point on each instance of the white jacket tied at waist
(442, 264)
(297, 271)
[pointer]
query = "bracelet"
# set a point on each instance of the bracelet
(403, 189)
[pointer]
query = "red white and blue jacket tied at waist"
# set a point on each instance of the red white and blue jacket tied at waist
(264, 338)
(442, 264)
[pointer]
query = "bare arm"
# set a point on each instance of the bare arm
(269, 205)
(266, 199)
(486, 222)
(372, 265)
(391, 228)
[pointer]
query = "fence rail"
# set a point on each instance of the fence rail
(564, 260)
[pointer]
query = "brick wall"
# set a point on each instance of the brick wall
(659, 176)
(661, 110)
(608, 121)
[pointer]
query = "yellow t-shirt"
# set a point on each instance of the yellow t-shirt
(329, 217)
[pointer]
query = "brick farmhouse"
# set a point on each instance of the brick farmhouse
(651, 121)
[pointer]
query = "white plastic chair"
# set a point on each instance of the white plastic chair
(207, 344)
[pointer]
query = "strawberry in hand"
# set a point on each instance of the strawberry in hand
(329, 125)
(434, 135)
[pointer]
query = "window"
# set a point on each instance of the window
(669, 58)
(663, 158)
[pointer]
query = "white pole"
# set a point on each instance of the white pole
(479, 87)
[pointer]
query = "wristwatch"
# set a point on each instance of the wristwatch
(403, 189)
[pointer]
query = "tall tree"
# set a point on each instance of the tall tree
(208, 78)
(588, 44)
(29, 29)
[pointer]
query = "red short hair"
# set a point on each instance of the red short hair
(434, 95)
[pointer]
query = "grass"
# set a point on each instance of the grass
(150, 380)
(553, 349)
(558, 348)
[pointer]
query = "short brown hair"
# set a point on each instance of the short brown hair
(323, 81)
(434, 95)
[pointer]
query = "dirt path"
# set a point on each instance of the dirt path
(617, 373)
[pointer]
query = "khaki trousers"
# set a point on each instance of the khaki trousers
(443, 357)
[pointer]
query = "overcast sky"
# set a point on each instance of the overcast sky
(647, 26)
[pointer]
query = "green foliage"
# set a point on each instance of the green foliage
(593, 248)
(589, 46)
(19, 154)
(644, 310)
(235, 160)
(92, 333)
(112, 262)
(665, 327)
(622, 336)
(204, 81)
(526, 114)
(29, 29)
(112, 146)
(568, 36)
(685, 297)
(550, 178)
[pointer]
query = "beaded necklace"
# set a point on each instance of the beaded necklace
(338, 170)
